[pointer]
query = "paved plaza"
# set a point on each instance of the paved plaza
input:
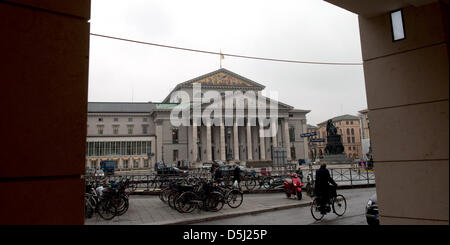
(150, 210)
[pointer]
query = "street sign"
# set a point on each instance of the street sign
(308, 134)
(317, 140)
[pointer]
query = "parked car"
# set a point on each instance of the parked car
(372, 211)
(99, 173)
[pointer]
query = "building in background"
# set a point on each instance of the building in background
(365, 134)
(136, 135)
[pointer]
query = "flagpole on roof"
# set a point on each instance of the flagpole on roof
(221, 57)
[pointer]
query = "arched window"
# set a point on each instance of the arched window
(348, 131)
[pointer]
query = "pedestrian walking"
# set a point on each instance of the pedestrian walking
(236, 175)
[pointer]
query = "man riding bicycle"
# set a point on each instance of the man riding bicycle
(322, 187)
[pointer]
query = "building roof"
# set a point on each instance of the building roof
(340, 118)
(311, 126)
(121, 107)
(221, 78)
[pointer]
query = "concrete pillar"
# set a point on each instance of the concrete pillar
(287, 143)
(222, 141)
(236, 140)
(249, 142)
(208, 143)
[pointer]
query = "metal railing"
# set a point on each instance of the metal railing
(260, 179)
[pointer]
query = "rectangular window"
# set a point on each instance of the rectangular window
(128, 148)
(145, 119)
(125, 163)
(353, 139)
(145, 129)
(100, 129)
(136, 164)
(116, 119)
(130, 129)
(139, 148)
(130, 119)
(146, 163)
(291, 134)
(133, 146)
(175, 136)
(348, 139)
(115, 129)
(293, 155)
(100, 119)
(107, 148)
(123, 148)
(175, 155)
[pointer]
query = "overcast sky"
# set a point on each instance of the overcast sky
(307, 30)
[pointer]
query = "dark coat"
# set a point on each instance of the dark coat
(218, 174)
(237, 174)
(322, 181)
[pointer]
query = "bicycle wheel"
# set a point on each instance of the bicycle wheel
(339, 205)
(315, 212)
(88, 208)
(250, 184)
(234, 198)
(171, 199)
(266, 183)
(106, 209)
(123, 205)
(215, 202)
(184, 203)
(164, 194)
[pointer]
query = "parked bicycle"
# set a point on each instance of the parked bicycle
(203, 197)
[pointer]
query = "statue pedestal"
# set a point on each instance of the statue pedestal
(334, 145)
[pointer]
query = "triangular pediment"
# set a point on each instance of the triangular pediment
(223, 78)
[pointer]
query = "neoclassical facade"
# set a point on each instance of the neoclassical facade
(136, 135)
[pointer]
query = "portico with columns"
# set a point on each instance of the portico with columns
(239, 137)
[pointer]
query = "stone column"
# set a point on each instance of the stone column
(208, 143)
(287, 143)
(274, 127)
(194, 144)
(262, 145)
(236, 140)
(159, 136)
(249, 142)
(222, 141)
